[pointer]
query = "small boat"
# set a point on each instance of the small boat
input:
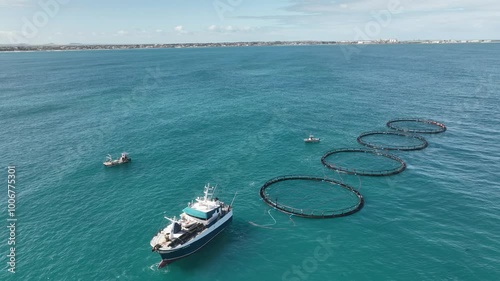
(311, 139)
(123, 159)
(199, 223)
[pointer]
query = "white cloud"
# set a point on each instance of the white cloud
(7, 33)
(122, 32)
(409, 19)
(180, 30)
(16, 3)
(230, 28)
(10, 37)
(159, 30)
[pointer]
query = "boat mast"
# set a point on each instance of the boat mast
(209, 191)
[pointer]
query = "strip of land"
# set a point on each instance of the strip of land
(77, 46)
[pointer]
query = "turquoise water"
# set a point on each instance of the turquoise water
(237, 117)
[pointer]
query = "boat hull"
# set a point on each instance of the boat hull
(115, 163)
(169, 256)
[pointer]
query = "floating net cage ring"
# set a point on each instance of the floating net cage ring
(312, 214)
(440, 127)
(360, 172)
(423, 142)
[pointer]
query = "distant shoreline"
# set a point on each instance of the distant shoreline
(79, 47)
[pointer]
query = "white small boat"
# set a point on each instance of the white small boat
(311, 139)
(123, 159)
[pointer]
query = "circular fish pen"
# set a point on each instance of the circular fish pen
(322, 213)
(421, 141)
(420, 126)
(363, 171)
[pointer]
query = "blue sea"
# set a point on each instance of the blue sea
(237, 117)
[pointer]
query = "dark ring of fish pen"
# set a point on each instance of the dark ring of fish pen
(372, 173)
(440, 126)
(320, 214)
(422, 145)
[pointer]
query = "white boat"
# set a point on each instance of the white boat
(123, 159)
(311, 139)
(199, 223)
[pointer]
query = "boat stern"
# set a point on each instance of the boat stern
(163, 263)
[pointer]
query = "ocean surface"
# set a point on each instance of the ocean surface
(237, 117)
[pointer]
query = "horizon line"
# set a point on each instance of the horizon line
(235, 42)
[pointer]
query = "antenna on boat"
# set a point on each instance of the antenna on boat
(231, 205)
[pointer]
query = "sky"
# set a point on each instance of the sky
(196, 21)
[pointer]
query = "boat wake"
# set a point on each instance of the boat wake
(154, 267)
